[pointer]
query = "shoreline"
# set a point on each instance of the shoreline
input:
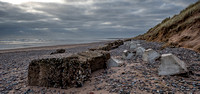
(64, 46)
(14, 69)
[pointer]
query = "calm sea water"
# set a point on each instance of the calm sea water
(25, 43)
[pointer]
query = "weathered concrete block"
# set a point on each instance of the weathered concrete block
(150, 55)
(55, 72)
(133, 47)
(127, 55)
(134, 42)
(127, 43)
(140, 51)
(109, 46)
(66, 72)
(171, 65)
(58, 51)
(113, 62)
(97, 59)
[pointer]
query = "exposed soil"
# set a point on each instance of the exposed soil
(182, 30)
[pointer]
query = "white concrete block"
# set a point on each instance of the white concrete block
(133, 46)
(127, 55)
(171, 65)
(134, 42)
(127, 43)
(113, 62)
(150, 55)
(140, 51)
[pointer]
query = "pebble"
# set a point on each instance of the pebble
(125, 83)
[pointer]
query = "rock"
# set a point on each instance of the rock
(113, 62)
(58, 51)
(171, 65)
(65, 72)
(133, 46)
(127, 43)
(97, 59)
(127, 54)
(109, 46)
(134, 42)
(91, 92)
(140, 51)
(150, 55)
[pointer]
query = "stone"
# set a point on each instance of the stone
(58, 51)
(109, 46)
(113, 62)
(150, 55)
(127, 43)
(127, 55)
(71, 71)
(133, 46)
(134, 42)
(140, 51)
(97, 59)
(171, 65)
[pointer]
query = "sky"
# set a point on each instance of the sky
(40, 20)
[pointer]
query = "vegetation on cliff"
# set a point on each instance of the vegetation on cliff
(182, 30)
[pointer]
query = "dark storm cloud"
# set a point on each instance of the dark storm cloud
(86, 17)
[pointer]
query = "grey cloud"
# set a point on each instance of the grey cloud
(91, 18)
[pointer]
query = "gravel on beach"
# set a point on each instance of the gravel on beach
(134, 77)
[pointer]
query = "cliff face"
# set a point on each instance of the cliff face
(182, 30)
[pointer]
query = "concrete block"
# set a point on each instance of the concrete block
(140, 51)
(67, 71)
(171, 65)
(127, 55)
(150, 55)
(113, 62)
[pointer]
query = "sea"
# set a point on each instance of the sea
(32, 42)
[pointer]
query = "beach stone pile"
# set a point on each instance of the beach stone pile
(66, 72)
(170, 64)
(109, 46)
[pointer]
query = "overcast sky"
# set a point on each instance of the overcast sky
(68, 19)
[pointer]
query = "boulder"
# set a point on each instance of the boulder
(127, 55)
(150, 55)
(133, 46)
(171, 65)
(65, 72)
(140, 51)
(134, 42)
(58, 73)
(97, 59)
(58, 51)
(113, 62)
(109, 46)
(127, 43)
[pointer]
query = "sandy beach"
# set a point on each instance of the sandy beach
(134, 77)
